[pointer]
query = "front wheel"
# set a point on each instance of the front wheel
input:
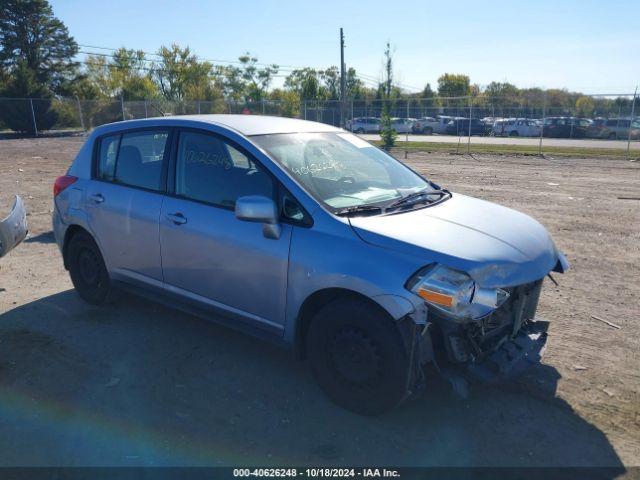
(87, 269)
(358, 357)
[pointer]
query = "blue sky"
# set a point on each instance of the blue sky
(591, 46)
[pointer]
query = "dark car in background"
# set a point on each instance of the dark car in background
(461, 127)
(566, 127)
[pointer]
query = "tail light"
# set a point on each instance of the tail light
(62, 183)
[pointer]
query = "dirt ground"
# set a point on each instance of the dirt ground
(136, 383)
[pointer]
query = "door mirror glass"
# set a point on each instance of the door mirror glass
(256, 208)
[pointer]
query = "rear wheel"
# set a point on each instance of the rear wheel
(428, 131)
(87, 269)
(514, 133)
(612, 136)
(358, 357)
(360, 130)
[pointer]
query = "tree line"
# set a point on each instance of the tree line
(38, 59)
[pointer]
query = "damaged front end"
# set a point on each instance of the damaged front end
(479, 333)
(499, 345)
(13, 229)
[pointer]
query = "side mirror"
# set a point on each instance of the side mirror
(256, 208)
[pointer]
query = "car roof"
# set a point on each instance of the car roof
(245, 124)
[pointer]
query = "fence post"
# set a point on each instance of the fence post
(406, 139)
(122, 106)
(544, 113)
(469, 138)
(198, 107)
(146, 113)
(80, 113)
(633, 112)
(305, 109)
(33, 118)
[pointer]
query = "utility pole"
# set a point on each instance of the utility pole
(343, 81)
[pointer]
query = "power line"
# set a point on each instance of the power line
(370, 80)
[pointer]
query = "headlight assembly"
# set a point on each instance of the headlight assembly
(454, 293)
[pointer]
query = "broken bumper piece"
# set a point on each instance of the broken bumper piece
(514, 356)
(13, 229)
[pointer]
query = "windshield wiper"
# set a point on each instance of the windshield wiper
(359, 209)
(415, 195)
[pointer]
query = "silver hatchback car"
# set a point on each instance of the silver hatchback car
(307, 235)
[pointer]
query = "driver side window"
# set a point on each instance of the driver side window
(210, 170)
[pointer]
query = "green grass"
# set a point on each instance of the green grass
(435, 147)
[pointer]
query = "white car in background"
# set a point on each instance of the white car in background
(402, 125)
(364, 125)
(517, 127)
(425, 125)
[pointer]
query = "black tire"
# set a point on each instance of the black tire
(360, 131)
(427, 131)
(514, 133)
(358, 357)
(612, 136)
(87, 269)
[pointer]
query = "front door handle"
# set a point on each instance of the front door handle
(177, 218)
(97, 198)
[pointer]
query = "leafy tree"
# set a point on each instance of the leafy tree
(248, 82)
(305, 82)
(453, 85)
(288, 102)
(181, 76)
(355, 87)
(387, 133)
(32, 38)
(427, 92)
(16, 112)
(585, 106)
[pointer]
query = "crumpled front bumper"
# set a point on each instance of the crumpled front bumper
(13, 229)
(514, 356)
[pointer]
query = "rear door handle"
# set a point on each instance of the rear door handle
(97, 198)
(177, 218)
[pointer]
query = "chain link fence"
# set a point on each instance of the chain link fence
(540, 115)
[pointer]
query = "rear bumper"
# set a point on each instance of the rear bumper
(514, 356)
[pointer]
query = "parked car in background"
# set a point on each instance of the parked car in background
(617, 128)
(402, 125)
(516, 127)
(443, 120)
(425, 125)
(566, 127)
(232, 217)
(597, 128)
(460, 126)
(488, 123)
(13, 229)
(364, 125)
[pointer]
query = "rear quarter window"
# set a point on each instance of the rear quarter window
(140, 158)
(107, 153)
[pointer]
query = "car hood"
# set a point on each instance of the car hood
(495, 245)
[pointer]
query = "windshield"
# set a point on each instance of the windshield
(341, 170)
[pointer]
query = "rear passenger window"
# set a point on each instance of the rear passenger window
(140, 156)
(212, 171)
(107, 157)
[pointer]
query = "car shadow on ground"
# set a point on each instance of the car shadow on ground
(136, 383)
(46, 237)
